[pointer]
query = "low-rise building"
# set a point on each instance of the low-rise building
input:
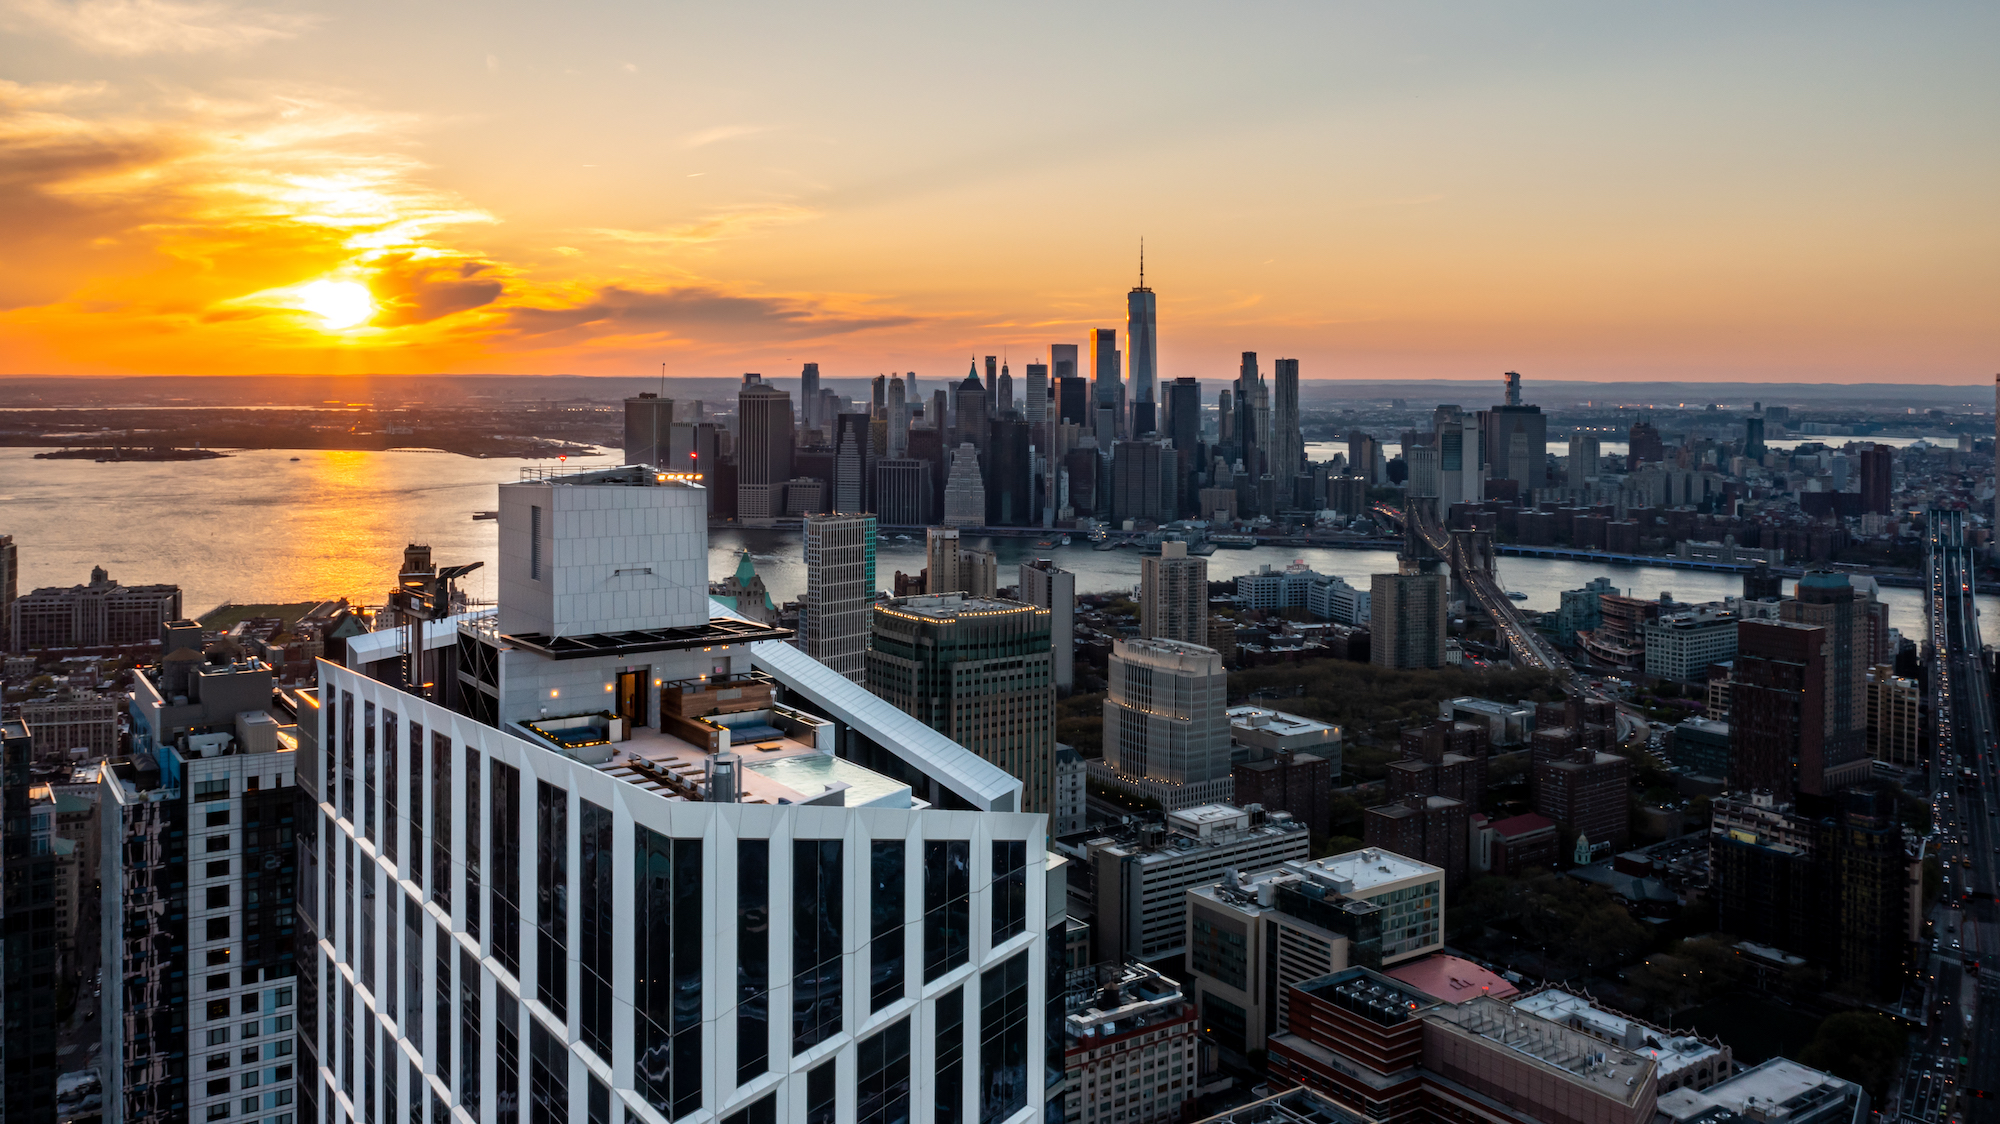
(1514, 845)
(1141, 880)
(1506, 723)
(1253, 937)
(1701, 746)
(1683, 645)
(82, 727)
(1682, 1060)
(1130, 1047)
(1777, 1090)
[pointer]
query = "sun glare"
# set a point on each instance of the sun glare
(338, 304)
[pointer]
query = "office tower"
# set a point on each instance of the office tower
(940, 418)
(1080, 470)
(840, 585)
(199, 882)
(969, 408)
(1288, 449)
(1166, 723)
(32, 957)
(1184, 432)
(929, 445)
(903, 491)
(1043, 583)
(1777, 708)
(10, 584)
(1250, 428)
(1073, 400)
(1877, 465)
(1137, 469)
(1517, 439)
(979, 671)
(809, 403)
(951, 568)
(511, 812)
(1142, 334)
(1753, 436)
(1106, 387)
(1407, 618)
(1827, 600)
(878, 396)
(1173, 596)
(102, 614)
(1225, 420)
(1063, 361)
(1004, 398)
(964, 491)
(1037, 403)
(763, 451)
(1460, 474)
(649, 421)
(692, 449)
(1142, 877)
(1584, 458)
(853, 462)
(1008, 499)
(1644, 446)
(899, 420)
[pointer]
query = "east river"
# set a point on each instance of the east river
(259, 526)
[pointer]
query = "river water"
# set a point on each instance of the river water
(261, 526)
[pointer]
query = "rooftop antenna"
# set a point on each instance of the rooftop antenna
(663, 380)
(1142, 261)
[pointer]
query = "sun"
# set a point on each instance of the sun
(338, 304)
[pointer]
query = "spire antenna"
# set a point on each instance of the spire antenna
(1142, 261)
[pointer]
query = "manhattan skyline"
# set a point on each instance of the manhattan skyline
(1790, 194)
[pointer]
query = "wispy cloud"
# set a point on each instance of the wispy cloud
(142, 27)
(714, 228)
(708, 311)
(722, 133)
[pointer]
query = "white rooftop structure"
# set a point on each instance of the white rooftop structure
(1679, 1057)
(1357, 872)
(1778, 1090)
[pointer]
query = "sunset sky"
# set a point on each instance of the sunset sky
(1573, 190)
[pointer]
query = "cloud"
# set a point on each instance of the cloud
(727, 224)
(695, 310)
(141, 27)
(722, 133)
(413, 291)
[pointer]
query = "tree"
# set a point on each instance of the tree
(1861, 1046)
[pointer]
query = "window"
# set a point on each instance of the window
(368, 771)
(534, 542)
(218, 1008)
(503, 833)
(763, 1110)
(947, 905)
(218, 842)
(347, 756)
(468, 1032)
(413, 974)
(885, 922)
(219, 1111)
(218, 1087)
(417, 856)
(666, 1011)
(364, 964)
(249, 1001)
(219, 869)
(821, 1092)
(506, 1058)
(753, 958)
(441, 821)
(218, 981)
(390, 930)
(214, 788)
(882, 1077)
(367, 1065)
(219, 1036)
(548, 1077)
(218, 897)
(219, 818)
(552, 897)
(597, 1110)
(1010, 889)
(817, 924)
(594, 928)
(389, 1069)
(1003, 1039)
(218, 1061)
(472, 842)
(391, 736)
(441, 961)
(416, 1078)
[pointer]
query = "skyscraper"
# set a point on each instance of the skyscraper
(808, 396)
(840, 585)
(964, 490)
(1073, 400)
(1753, 436)
(10, 583)
(992, 387)
(1106, 386)
(1251, 428)
(951, 568)
(1054, 589)
(649, 421)
(1009, 495)
(853, 462)
(775, 951)
(1173, 596)
(1288, 447)
(1461, 476)
(1037, 403)
(899, 420)
(763, 451)
(1005, 398)
(1184, 431)
(970, 406)
(1407, 617)
(1827, 600)
(1140, 470)
(1517, 440)
(1584, 457)
(1877, 474)
(903, 491)
(1142, 335)
(1166, 723)
(979, 671)
(32, 957)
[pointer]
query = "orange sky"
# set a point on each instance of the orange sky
(1800, 192)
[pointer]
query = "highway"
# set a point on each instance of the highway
(1954, 1072)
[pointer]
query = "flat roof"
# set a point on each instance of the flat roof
(1453, 979)
(1364, 869)
(1276, 721)
(947, 606)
